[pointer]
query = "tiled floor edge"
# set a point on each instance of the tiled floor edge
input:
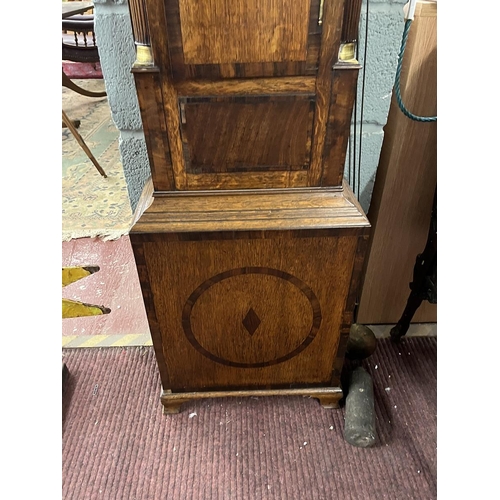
(74, 341)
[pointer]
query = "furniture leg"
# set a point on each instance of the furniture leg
(424, 284)
(414, 301)
(80, 141)
(66, 82)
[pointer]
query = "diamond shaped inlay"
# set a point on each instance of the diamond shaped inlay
(251, 321)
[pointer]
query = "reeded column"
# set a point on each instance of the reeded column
(140, 29)
(350, 27)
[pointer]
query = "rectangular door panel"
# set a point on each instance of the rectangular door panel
(225, 31)
(219, 39)
(250, 313)
(245, 134)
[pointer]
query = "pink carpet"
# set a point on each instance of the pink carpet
(82, 71)
(117, 444)
(115, 285)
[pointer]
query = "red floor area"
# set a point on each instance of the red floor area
(117, 445)
(115, 285)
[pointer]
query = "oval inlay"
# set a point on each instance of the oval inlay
(252, 321)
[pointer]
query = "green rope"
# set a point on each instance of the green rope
(398, 83)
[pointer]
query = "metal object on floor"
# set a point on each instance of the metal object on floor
(361, 342)
(359, 427)
(424, 284)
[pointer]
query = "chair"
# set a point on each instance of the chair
(79, 46)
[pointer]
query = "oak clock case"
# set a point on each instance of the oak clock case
(250, 254)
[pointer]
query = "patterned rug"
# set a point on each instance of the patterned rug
(92, 206)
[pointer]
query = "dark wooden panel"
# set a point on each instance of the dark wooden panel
(160, 237)
(147, 295)
(139, 18)
(211, 338)
(243, 31)
(351, 300)
(157, 23)
(245, 134)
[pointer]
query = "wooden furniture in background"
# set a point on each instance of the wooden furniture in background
(83, 54)
(79, 45)
(68, 123)
(71, 8)
(405, 183)
(250, 254)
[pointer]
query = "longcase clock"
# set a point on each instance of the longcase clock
(250, 254)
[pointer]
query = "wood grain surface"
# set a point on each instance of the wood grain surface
(339, 123)
(300, 308)
(245, 134)
(220, 142)
(226, 48)
(330, 44)
(155, 129)
(224, 31)
(249, 285)
(158, 29)
(139, 20)
(253, 86)
(402, 199)
(257, 210)
(350, 26)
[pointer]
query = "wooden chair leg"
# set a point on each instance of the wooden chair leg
(66, 82)
(80, 141)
